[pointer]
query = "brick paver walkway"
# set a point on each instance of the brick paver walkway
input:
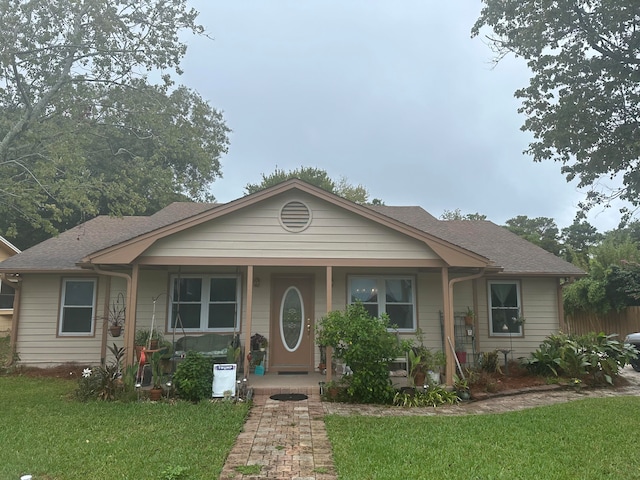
(282, 439)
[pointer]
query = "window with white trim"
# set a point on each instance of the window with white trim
(393, 295)
(504, 308)
(77, 307)
(205, 303)
(7, 295)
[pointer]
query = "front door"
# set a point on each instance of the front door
(292, 329)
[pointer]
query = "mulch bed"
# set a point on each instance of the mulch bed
(69, 371)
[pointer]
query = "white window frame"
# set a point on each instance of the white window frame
(205, 302)
(7, 309)
(380, 283)
(520, 332)
(63, 294)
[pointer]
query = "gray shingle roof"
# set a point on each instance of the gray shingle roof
(505, 249)
(62, 252)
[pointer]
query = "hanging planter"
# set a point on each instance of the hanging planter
(115, 330)
(468, 317)
(116, 315)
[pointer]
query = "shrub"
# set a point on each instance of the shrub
(489, 362)
(433, 396)
(364, 344)
(194, 377)
(596, 357)
(103, 382)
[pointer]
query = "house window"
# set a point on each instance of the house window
(385, 294)
(77, 306)
(7, 294)
(504, 308)
(205, 303)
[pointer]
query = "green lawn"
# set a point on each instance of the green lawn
(587, 439)
(47, 435)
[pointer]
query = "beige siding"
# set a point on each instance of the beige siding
(6, 315)
(37, 340)
(539, 298)
(5, 321)
(333, 233)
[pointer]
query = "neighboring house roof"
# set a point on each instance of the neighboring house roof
(8, 247)
(482, 239)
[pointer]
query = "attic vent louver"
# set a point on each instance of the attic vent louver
(295, 216)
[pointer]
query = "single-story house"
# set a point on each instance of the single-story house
(275, 262)
(7, 290)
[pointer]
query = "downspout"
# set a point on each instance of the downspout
(16, 283)
(128, 332)
(449, 320)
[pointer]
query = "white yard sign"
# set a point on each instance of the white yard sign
(224, 379)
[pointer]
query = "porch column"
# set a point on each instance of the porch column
(448, 326)
(247, 323)
(132, 303)
(329, 350)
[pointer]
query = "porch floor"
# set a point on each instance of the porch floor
(308, 384)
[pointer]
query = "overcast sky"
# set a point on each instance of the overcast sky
(394, 96)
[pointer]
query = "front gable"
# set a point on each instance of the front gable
(261, 233)
(252, 230)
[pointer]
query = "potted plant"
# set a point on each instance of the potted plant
(156, 377)
(468, 317)
(149, 339)
(332, 390)
(258, 342)
(116, 315)
(417, 366)
(461, 387)
(425, 365)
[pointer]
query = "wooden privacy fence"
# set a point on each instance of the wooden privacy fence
(624, 322)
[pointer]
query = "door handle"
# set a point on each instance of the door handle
(308, 326)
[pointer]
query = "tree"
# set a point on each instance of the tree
(82, 131)
(577, 239)
(458, 215)
(319, 178)
(610, 267)
(583, 100)
(541, 231)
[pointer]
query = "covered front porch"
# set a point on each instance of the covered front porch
(284, 304)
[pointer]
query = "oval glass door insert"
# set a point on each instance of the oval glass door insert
(291, 315)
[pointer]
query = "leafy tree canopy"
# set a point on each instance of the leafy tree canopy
(319, 178)
(458, 215)
(82, 131)
(583, 100)
(611, 266)
(577, 239)
(541, 231)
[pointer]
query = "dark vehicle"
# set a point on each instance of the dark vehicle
(634, 339)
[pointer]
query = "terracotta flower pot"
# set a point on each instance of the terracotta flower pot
(115, 330)
(155, 394)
